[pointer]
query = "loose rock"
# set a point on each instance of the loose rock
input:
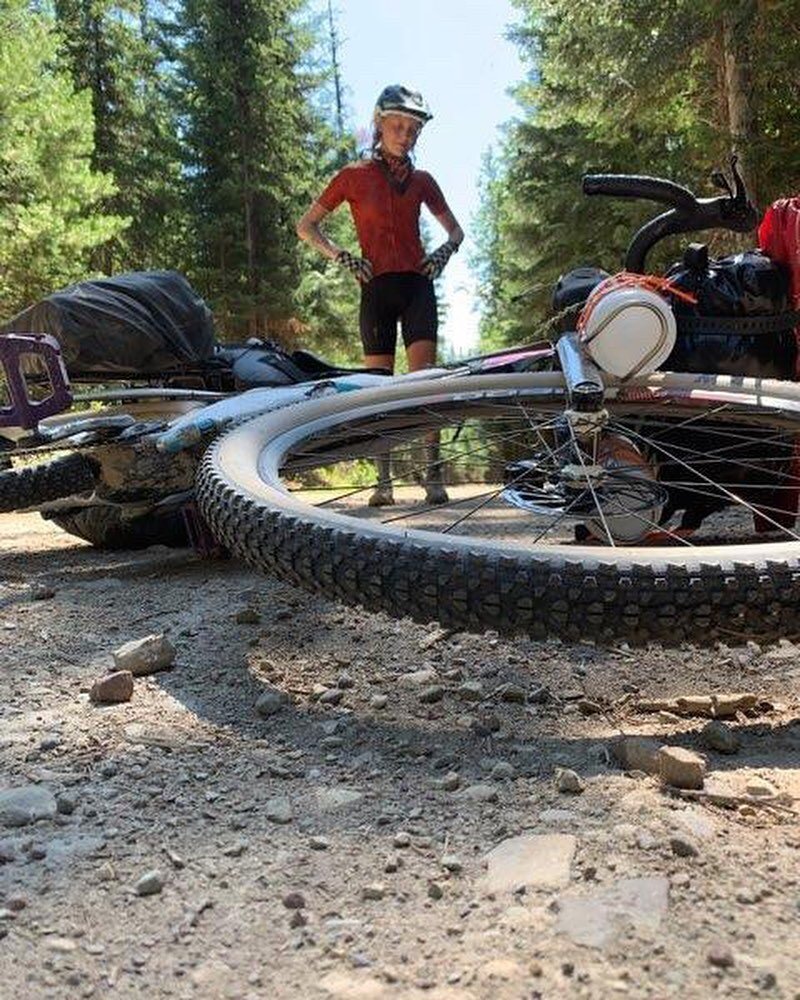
(26, 804)
(538, 860)
(279, 810)
(432, 694)
(271, 702)
(113, 688)
(513, 693)
(294, 901)
(452, 863)
(569, 781)
(150, 884)
(683, 848)
(373, 892)
(331, 697)
(681, 768)
(636, 753)
(145, 656)
(435, 890)
(478, 793)
(592, 920)
(470, 691)
(721, 957)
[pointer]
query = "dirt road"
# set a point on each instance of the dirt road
(392, 822)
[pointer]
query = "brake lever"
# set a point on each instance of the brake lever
(740, 210)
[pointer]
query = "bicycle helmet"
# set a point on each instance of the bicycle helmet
(396, 99)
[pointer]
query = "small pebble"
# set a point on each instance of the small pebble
(568, 781)
(431, 694)
(502, 771)
(373, 892)
(150, 884)
(721, 957)
(401, 839)
(683, 848)
(452, 863)
(319, 844)
(331, 697)
(513, 694)
(66, 803)
(294, 901)
(378, 701)
(435, 891)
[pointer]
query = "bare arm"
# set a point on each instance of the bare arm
(450, 225)
(308, 229)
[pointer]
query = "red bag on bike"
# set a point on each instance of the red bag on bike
(779, 238)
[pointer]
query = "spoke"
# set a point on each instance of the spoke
(591, 486)
(729, 493)
(449, 457)
(702, 457)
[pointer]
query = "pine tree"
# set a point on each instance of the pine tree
(113, 50)
(247, 156)
(50, 220)
(630, 87)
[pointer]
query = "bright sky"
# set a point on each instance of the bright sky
(456, 53)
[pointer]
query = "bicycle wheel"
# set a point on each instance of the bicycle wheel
(715, 452)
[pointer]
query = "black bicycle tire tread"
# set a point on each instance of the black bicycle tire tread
(475, 590)
(31, 485)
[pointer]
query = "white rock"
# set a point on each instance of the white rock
(145, 656)
(539, 860)
(279, 810)
(569, 781)
(594, 919)
(418, 678)
(478, 793)
(329, 799)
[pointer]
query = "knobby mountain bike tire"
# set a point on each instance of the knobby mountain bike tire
(716, 587)
(32, 485)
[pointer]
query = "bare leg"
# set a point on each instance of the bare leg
(382, 495)
(422, 354)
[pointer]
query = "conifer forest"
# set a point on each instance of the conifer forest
(191, 134)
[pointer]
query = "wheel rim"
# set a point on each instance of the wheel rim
(733, 453)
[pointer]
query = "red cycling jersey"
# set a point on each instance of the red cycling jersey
(386, 219)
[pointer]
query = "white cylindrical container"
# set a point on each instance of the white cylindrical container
(628, 329)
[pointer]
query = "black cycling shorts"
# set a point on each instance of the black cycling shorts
(405, 296)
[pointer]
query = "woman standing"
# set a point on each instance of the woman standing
(385, 194)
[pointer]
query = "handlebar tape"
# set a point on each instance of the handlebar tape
(635, 186)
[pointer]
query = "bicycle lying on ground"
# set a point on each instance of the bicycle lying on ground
(591, 495)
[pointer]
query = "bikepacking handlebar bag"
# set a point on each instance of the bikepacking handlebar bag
(139, 323)
(742, 323)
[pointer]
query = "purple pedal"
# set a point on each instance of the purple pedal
(18, 409)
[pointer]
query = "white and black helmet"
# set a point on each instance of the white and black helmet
(397, 99)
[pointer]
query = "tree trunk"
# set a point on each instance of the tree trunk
(738, 26)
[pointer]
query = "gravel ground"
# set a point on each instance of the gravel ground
(408, 813)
